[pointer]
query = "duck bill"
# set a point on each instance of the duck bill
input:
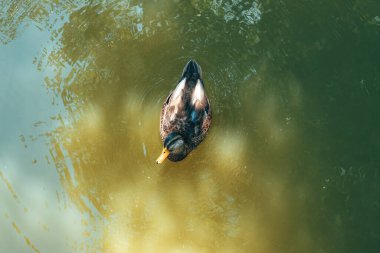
(165, 153)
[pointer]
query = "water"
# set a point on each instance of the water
(291, 163)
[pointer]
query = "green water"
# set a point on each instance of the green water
(291, 162)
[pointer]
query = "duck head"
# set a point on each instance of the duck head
(174, 145)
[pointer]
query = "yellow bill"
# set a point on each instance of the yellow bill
(165, 153)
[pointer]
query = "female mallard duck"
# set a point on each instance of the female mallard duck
(185, 116)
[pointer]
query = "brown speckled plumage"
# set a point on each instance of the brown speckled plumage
(188, 112)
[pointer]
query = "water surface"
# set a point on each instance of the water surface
(291, 163)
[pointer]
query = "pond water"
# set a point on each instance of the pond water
(291, 162)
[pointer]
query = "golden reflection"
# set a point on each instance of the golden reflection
(31, 245)
(9, 186)
(26, 239)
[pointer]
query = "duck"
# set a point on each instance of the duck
(185, 115)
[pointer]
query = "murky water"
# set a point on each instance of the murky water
(291, 163)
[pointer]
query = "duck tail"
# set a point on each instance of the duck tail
(192, 71)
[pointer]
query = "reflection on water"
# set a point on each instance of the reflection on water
(289, 164)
